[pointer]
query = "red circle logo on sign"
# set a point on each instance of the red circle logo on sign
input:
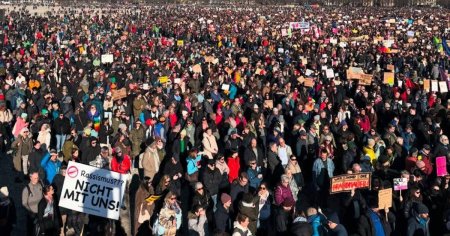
(72, 172)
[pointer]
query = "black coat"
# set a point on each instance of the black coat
(61, 126)
(249, 154)
(211, 180)
(222, 218)
(49, 226)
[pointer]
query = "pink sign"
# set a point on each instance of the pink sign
(441, 166)
(400, 184)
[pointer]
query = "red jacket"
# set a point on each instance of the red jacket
(234, 165)
(122, 167)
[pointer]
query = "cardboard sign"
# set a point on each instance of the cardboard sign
(93, 190)
(244, 59)
(268, 104)
(354, 73)
(390, 67)
(197, 68)
(153, 198)
(426, 85)
(443, 86)
(389, 78)
(366, 79)
(118, 94)
(400, 184)
(345, 183)
(107, 58)
(309, 83)
(385, 198)
(308, 72)
(441, 166)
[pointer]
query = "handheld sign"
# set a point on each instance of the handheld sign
(385, 198)
(93, 190)
(345, 183)
(441, 166)
(400, 184)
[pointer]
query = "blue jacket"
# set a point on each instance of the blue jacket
(253, 178)
(316, 222)
(318, 177)
(51, 168)
(192, 164)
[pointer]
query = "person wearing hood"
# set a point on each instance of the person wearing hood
(35, 158)
(120, 163)
(90, 151)
(197, 221)
(241, 226)
(419, 220)
(333, 225)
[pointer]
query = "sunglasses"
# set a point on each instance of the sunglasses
(200, 189)
(173, 198)
(262, 188)
(254, 163)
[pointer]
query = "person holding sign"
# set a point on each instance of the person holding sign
(49, 218)
(374, 221)
(144, 209)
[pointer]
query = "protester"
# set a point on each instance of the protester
(266, 105)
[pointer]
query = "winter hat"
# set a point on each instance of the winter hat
(332, 216)
(421, 208)
(24, 115)
(224, 198)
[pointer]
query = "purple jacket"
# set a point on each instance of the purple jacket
(282, 193)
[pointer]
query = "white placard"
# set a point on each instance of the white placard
(93, 190)
(329, 73)
(308, 72)
(434, 85)
(225, 87)
(443, 86)
(107, 58)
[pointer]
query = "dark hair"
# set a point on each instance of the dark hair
(197, 208)
(241, 218)
(46, 189)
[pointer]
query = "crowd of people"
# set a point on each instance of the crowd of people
(234, 117)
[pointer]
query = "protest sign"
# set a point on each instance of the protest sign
(329, 73)
(118, 94)
(308, 72)
(299, 25)
(434, 85)
(268, 104)
(426, 85)
(107, 58)
(343, 183)
(354, 73)
(385, 198)
(366, 79)
(443, 86)
(309, 82)
(163, 79)
(180, 43)
(244, 59)
(153, 198)
(209, 59)
(93, 191)
(197, 68)
(389, 78)
(400, 184)
(225, 87)
(441, 166)
(390, 67)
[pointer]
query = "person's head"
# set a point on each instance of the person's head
(253, 164)
(311, 211)
(48, 191)
(226, 200)
(323, 154)
(199, 188)
(273, 147)
(93, 142)
(243, 178)
(421, 210)
(356, 168)
(253, 143)
(118, 152)
(104, 152)
(34, 178)
(285, 180)
(282, 142)
(211, 164)
(170, 198)
(415, 192)
(165, 181)
(53, 155)
(444, 139)
(37, 145)
(243, 220)
(221, 158)
(198, 210)
(421, 165)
